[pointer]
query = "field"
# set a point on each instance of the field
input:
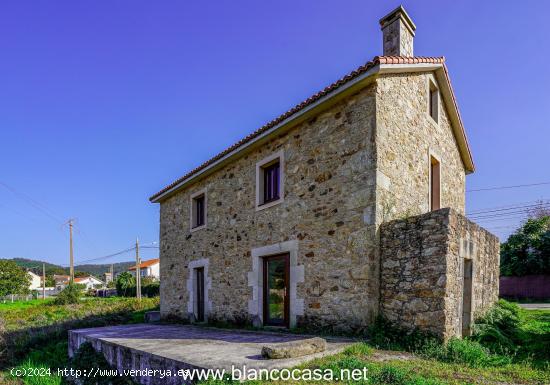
(511, 348)
(35, 332)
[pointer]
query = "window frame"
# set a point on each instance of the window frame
(261, 166)
(193, 199)
(434, 105)
(274, 193)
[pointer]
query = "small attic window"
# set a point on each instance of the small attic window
(198, 210)
(433, 102)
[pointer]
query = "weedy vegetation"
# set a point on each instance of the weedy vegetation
(35, 332)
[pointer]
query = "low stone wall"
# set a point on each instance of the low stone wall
(422, 271)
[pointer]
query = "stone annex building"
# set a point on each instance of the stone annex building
(349, 205)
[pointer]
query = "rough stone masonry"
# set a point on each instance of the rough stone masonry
(422, 280)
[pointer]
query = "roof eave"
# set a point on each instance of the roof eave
(287, 123)
(384, 65)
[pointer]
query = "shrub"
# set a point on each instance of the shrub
(498, 329)
(465, 352)
(69, 295)
(151, 290)
(387, 336)
(124, 283)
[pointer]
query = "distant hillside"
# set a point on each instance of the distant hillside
(97, 270)
(36, 266)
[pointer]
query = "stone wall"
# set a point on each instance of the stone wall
(422, 271)
(327, 213)
(406, 136)
(357, 164)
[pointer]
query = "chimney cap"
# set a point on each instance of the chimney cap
(398, 13)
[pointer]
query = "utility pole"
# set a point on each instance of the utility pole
(43, 281)
(71, 269)
(138, 273)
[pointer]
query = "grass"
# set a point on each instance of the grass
(485, 358)
(35, 332)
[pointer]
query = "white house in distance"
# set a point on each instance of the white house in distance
(36, 281)
(149, 268)
(89, 281)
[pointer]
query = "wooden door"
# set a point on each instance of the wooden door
(276, 276)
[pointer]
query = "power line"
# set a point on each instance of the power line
(108, 256)
(32, 202)
(531, 204)
(500, 219)
(503, 214)
(508, 187)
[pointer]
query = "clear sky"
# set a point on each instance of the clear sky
(102, 103)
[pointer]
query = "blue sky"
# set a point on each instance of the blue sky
(103, 103)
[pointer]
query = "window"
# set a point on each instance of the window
(198, 210)
(435, 184)
(270, 181)
(433, 103)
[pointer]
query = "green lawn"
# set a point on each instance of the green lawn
(35, 332)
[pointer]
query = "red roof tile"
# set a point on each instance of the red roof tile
(146, 264)
(312, 99)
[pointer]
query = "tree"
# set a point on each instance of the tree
(540, 210)
(527, 251)
(124, 282)
(50, 282)
(13, 279)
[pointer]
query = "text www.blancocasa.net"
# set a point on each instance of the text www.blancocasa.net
(236, 374)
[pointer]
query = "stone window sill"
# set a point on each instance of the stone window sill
(268, 205)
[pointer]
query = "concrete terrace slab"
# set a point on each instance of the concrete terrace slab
(146, 346)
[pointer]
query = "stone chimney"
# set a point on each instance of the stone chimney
(397, 33)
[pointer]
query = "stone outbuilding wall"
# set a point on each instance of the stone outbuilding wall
(424, 260)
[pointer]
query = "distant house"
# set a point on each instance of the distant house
(36, 281)
(149, 268)
(90, 281)
(61, 281)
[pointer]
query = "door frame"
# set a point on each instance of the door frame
(286, 306)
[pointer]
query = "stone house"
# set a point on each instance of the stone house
(349, 205)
